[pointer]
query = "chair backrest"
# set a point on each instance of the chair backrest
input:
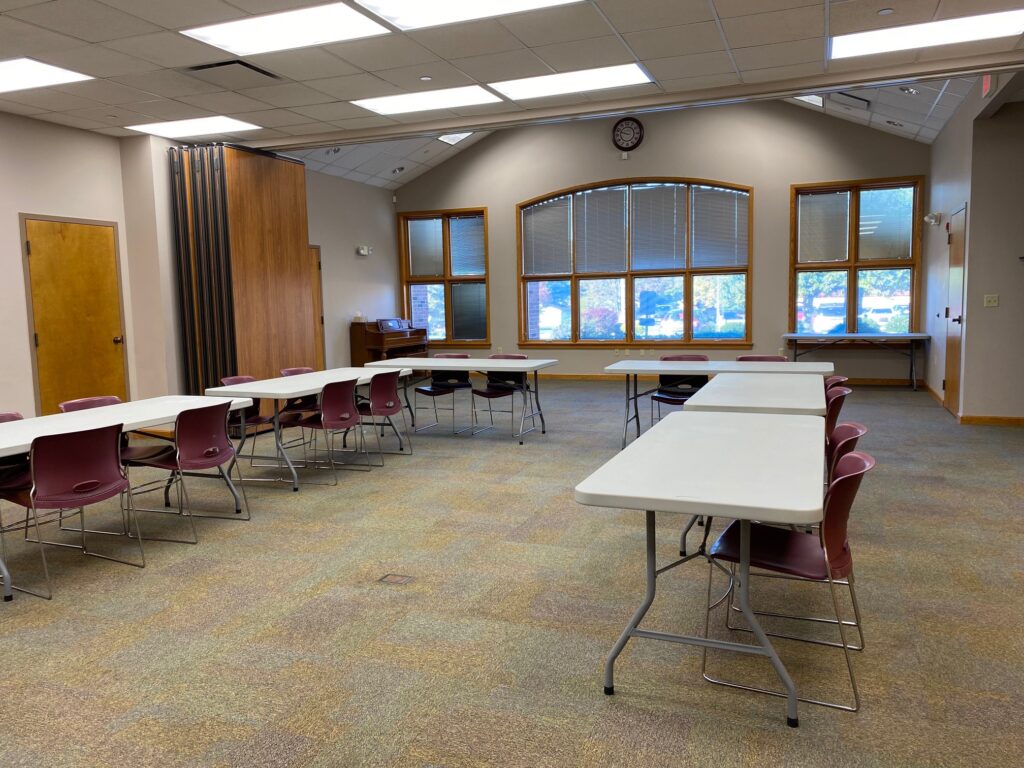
(83, 403)
(506, 378)
(440, 378)
(687, 381)
(9, 416)
(384, 400)
(835, 381)
(295, 371)
(762, 359)
(841, 441)
(228, 381)
(834, 399)
(252, 410)
(73, 469)
(838, 501)
(201, 437)
(338, 405)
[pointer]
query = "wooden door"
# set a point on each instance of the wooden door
(318, 305)
(955, 311)
(76, 311)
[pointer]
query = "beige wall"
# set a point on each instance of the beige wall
(342, 215)
(768, 146)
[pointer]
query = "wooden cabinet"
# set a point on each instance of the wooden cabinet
(383, 339)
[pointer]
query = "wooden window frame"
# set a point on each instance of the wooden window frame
(630, 275)
(447, 279)
(853, 264)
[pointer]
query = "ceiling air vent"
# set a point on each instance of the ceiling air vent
(232, 75)
(849, 101)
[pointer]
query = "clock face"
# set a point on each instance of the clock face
(627, 134)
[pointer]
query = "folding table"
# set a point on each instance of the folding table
(633, 369)
(888, 341)
(748, 466)
(796, 394)
(481, 365)
(285, 388)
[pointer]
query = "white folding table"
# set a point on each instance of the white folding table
(285, 388)
(480, 365)
(633, 369)
(748, 467)
(888, 341)
(794, 394)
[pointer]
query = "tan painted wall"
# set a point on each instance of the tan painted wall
(342, 215)
(768, 146)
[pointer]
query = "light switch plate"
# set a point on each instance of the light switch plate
(991, 299)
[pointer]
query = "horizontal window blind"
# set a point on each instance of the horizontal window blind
(719, 227)
(469, 311)
(547, 237)
(601, 230)
(426, 247)
(823, 226)
(466, 239)
(658, 226)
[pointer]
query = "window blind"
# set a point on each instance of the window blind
(719, 227)
(469, 311)
(658, 226)
(823, 226)
(547, 237)
(466, 237)
(601, 230)
(426, 247)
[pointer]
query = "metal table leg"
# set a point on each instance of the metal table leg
(636, 402)
(281, 452)
(913, 364)
(625, 415)
(536, 401)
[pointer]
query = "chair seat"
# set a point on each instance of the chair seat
(251, 421)
(15, 477)
(495, 392)
(437, 390)
(669, 399)
(366, 409)
(22, 496)
(141, 452)
(781, 550)
(442, 384)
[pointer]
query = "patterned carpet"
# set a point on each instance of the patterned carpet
(273, 643)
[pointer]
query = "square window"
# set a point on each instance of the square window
(823, 226)
(469, 311)
(549, 310)
(886, 225)
(603, 309)
(821, 301)
(658, 308)
(883, 300)
(428, 311)
(426, 247)
(720, 306)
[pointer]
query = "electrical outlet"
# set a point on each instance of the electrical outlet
(626, 352)
(991, 299)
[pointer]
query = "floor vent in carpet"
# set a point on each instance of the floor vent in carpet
(394, 578)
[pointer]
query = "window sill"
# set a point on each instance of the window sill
(723, 344)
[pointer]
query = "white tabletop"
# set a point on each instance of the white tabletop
(855, 336)
(287, 387)
(17, 436)
(466, 364)
(794, 394)
(697, 367)
(744, 466)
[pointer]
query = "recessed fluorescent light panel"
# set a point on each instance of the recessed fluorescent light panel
(416, 14)
(291, 29)
(811, 99)
(424, 100)
(962, 30)
(454, 138)
(572, 82)
(19, 74)
(199, 126)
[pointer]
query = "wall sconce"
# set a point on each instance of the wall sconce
(934, 219)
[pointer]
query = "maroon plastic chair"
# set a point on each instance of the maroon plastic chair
(84, 403)
(381, 404)
(305, 404)
(70, 471)
(823, 557)
(129, 452)
(502, 384)
(12, 471)
(337, 411)
(835, 381)
(762, 359)
(201, 442)
(834, 399)
(442, 384)
(675, 389)
(841, 441)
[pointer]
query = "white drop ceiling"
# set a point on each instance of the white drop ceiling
(726, 48)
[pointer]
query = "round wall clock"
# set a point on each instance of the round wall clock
(627, 134)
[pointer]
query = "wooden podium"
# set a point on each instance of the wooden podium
(382, 339)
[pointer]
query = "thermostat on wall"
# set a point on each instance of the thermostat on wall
(364, 250)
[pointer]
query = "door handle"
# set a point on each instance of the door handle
(119, 339)
(957, 319)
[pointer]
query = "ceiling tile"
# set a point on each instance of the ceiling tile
(953, 8)
(307, 129)
(105, 92)
(927, 134)
(790, 72)
(556, 25)
(167, 83)
(169, 49)
(50, 99)
(20, 39)
(7, 5)
(624, 92)
(780, 54)
(168, 109)
(97, 61)
(383, 52)
(85, 19)
(892, 112)
(223, 102)
(585, 54)
(853, 114)
(442, 74)
(564, 100)
(334, 170)
(179, 14)
(382, 164)
(287, 95)
(264, 133)
(474, 38)
(113, 116)
(903, 128)
(358, 123)
(271, 118)
(775, 27)
(631, 16)
(493, 108)
(233, 76)
(876, 61)
(19, 109)
(303, 64)
(119, 132)
(861, 15)
(270, 6)
(355, 176)
(919, 105)
(961, 86)
(729, 8)
(976, 48)
(694, 65)
(699, 83)
(352, 87)
(676, 41)
(331, 112)
(509, 65)
(424, 116)
(71, 121)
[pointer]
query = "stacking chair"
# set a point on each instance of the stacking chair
(505, 384)
(70, 471)
(10, 469)
(841, 441)
(834, 399)
(823, 557)
(201, 443)
(252, 418)
(383, 403)
(337, 411)
(835, 381)
(676, 389)
(442, 384)
(128, 451)
(762, 359)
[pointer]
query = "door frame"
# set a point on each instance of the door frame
(955, 408)
(23, 218)
(320, 289)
